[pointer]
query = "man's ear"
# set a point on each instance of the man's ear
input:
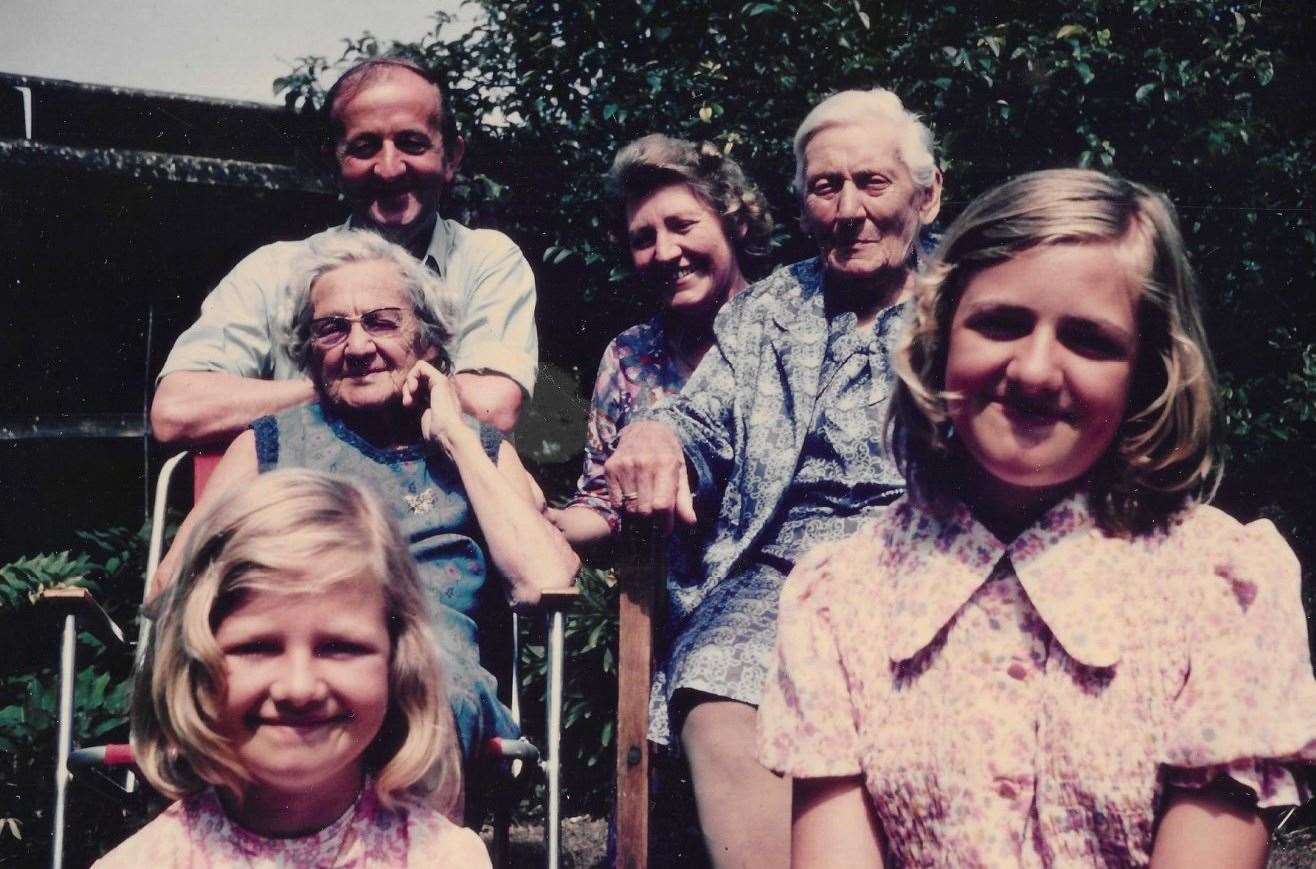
(931, 207)
(452, 157)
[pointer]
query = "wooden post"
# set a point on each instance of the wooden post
(641, 571)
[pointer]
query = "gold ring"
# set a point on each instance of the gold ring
(630, 496)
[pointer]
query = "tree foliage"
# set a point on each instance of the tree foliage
(1205, 99)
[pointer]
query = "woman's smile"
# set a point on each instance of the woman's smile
(1023, 411)
(679, 247)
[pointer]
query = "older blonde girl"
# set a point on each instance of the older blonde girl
(1051, 652)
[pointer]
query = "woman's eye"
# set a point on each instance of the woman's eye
(382, 321)
(1000, 326)
(342, 648)
(329, 327)
(641, 240)
(253, 648)
(1089, 340)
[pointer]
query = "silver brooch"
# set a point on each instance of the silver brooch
(423, 502)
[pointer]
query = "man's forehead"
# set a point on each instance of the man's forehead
(401, 84)
(868, 141)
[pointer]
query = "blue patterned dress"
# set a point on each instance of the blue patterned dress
(423, 489)
(781, 425)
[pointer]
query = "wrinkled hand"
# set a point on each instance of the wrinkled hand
(430, 388)
(646, 475)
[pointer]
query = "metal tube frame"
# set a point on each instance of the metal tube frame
(153, 554)
(68, 659)
(553, 738)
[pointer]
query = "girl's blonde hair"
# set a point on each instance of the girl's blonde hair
(1165, 450)
(290, 532)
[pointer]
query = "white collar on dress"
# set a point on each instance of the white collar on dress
(1058, 561)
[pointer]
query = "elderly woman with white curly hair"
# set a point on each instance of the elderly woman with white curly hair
(371, 326)
(775, 436)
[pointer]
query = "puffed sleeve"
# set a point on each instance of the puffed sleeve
(1247, 708)
(806, 722)
(165, 842)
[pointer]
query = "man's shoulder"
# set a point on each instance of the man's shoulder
(468, 240)
(276, 258)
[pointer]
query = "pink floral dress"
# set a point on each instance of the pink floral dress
(196, 833)
(1027, 704)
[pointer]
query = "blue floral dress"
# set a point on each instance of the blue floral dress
(781, 426)
(423, 489)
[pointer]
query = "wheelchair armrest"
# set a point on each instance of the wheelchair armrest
(503, 748)
(557, 599)
(94, 756)
(551, 601)
(79, 602)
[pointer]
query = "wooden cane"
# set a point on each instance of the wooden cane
(641, 570)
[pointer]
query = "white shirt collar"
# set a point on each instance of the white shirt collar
(436, 254)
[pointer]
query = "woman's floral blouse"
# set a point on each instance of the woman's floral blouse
(635, 372)
(1026, 704)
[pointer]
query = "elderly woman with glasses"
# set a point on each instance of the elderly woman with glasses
(370, 325)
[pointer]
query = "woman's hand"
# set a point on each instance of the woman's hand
(647, 477)
(430, 388)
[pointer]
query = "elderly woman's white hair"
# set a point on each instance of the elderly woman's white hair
(878, 106)
(434, 305)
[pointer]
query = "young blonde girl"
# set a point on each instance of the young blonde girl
(1050, 652)
(291, 700)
